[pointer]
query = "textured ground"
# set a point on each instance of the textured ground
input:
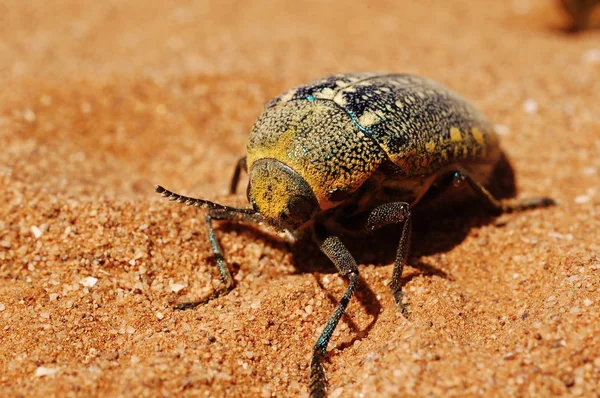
(101, 100)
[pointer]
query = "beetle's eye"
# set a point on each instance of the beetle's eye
(300, 207)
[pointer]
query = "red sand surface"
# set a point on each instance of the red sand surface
(99, 101)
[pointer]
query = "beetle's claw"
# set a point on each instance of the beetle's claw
(188, 305)
(403, 307)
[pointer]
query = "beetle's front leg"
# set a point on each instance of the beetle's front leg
(225, 277)
(215, 212)
(395, 213)
(333, 248)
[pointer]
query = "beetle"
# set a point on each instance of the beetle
(356, 149)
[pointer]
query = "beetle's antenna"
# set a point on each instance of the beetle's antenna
(205, 204)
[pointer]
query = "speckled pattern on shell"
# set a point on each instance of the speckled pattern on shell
(336, 131)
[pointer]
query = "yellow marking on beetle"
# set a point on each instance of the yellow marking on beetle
(455, 135)
(430, 146)
(477, 134)
(367, 119)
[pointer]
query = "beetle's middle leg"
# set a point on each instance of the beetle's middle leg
(395, 213)
(496, 205)
(333, 248)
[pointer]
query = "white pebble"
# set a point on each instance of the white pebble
(590, 171)
(175, 287)
(29, 116)
(502, 129)
(89, 281)
(44, 371)
(160, 315)
(591, 56)
(36, 232)
(581, 199)
(530, 106)
(560, 236)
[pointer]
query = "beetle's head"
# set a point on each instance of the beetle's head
(283, 198)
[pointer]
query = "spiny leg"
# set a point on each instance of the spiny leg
(215, 212)
(395, 213)
(496, 205)
(241, 165)
(333, 248)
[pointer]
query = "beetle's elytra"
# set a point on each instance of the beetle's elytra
(356, 149)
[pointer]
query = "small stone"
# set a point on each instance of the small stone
(44, 371)
(581, 199)
(89, 281)
(502, 129)
(29, 116)
(591, 56)
(530, 106)
(175, 287)
(37, 233)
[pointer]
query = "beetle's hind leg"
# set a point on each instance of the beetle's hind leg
(241, 165)
(333, 248)
(496, 205)
(395, 213)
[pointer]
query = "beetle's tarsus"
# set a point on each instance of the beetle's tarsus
(398, 298)
(527, 204)
(318, 380)
(193, 304)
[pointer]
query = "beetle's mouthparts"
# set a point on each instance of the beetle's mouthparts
(205, 204)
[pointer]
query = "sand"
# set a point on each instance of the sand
(99, 101)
